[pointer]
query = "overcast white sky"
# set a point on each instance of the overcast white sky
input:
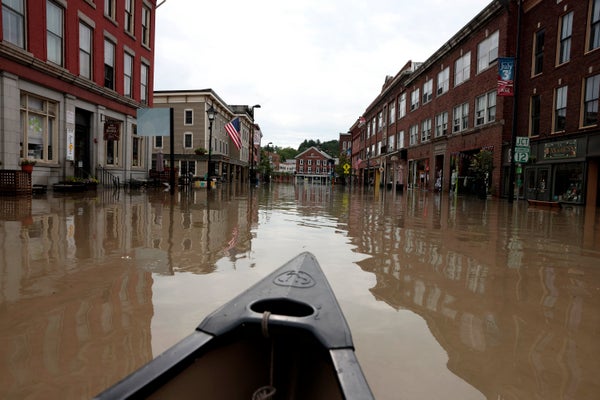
(313, 65)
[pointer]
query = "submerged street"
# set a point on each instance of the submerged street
(447, 297)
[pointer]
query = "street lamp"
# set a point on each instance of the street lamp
(211, 113)
(252, 174)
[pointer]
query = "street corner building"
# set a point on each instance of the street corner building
(73, 74)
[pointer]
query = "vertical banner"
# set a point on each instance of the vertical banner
(506, 76)
(70, 144)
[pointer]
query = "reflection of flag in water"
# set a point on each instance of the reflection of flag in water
(233, 128)
(234, 237)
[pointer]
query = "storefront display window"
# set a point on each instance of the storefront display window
(568, 183)
(38, 117)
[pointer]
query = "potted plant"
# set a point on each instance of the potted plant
(200, 151)
(27, 165)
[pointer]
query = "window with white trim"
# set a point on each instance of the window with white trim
(402, 105)
(129, 13)
(426, 130)
(54, 32)
(146, 26)
(109, 9)
(414, 134)
(443, 81)
(188, 141)
(487, 52)
(392, 113)
(188, 117)
(414, 99)
(590, 104)
(566, 32)
(39, 123)
(13, 22)
(538, 52)
(560, 108)
(127, 75)
(427, 91)
(109, 64)
(85, 50)
(441, 124)
(461, 117)
(594, 36)
(462, 69)
(485, 108)
(144, 70)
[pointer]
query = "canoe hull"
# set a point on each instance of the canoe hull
(287, 332)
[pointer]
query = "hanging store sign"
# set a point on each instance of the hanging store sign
(112, 130)
(562, 149)
(506, 76)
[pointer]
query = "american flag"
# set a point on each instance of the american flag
(233, 128)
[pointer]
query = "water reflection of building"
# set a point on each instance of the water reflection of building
(68, 328)
(76, 280)
(516, 322)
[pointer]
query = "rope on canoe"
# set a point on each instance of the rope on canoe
(266, 392)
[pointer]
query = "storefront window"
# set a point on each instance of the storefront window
(568, 182)
(39, 120)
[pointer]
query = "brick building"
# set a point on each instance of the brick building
(558, 98)
(73, 75)
(433, 118)
(314, 166)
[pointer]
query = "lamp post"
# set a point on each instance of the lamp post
(252, 174)
(211, 113)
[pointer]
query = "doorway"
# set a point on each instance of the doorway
(537, 183)
(82, 157)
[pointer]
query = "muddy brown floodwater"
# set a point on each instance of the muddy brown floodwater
(447, 298)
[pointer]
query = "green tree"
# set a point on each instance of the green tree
(287, 153)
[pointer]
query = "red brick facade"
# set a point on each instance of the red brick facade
(397, 132)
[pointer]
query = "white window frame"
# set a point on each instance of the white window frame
(414, 99)
(443, 81)
(460, 121)
(441, 124)
(85, 50)
(487, 52)
(566, 34)
(413, 132)
(144, 72)
(402, 105)
(591, 99)
(594, 34)
(560, 108)
(427, 91)
(188, 140)
(186, 112)
(426, 130)
(485, 108)
(146, 19)
(55, 29)
(13, 23)
(462, 69)
(392, 113)
(128, 61)
(109, 62)
(129, 16)
(39, 121)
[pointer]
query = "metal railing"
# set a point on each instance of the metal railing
(106, 178)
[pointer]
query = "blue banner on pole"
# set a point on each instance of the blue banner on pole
(506, 76)
(153, 121)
